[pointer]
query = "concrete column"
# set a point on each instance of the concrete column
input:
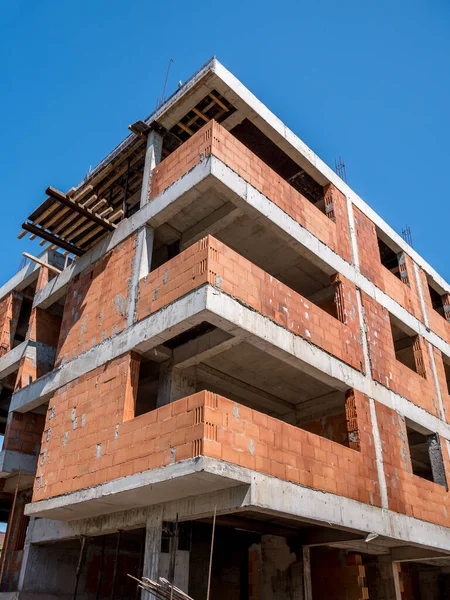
(142, 264)
(152, 158)
(152, 555)
(174, 383)
(382, 583)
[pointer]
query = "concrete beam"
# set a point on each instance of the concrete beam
(414, 554)
(322, 536)
(215, 377)
(210, 225)
(10, 361)
(204, 347)
(12, 461)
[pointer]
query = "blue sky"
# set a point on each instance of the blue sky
(367, 81)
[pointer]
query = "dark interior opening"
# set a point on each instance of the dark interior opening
(147, 390)
(419, 453)
(23, 321)
(403, 345)
(256, 141)
(436, 300)
(389, 258)
(446, 361)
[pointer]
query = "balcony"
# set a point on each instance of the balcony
(334, 327)
(325, 219)
(156, 456)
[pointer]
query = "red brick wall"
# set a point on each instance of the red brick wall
(408, 493)
(201, 424)
(210, 261)
(337, 574)
(95, 307)
(387, 370)
(438, 323)
(333, 428)
(43, 327)
(9, 314)
(438, 360)
(371, 267)
(24, 432)
(214, 139)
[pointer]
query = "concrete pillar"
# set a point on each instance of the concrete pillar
(381, 579)
(142, 264)
(152, 158)
(152, 554)
(174, 383)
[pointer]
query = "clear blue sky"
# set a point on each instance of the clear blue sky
(366, 80)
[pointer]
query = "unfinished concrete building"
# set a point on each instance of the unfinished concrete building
(219, 326)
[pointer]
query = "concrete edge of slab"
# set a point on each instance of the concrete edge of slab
(111, 491)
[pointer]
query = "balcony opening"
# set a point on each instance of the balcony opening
(389, 258)
(446, 361)
(147, 390)
(437, 298)
(425, 453)
(256, 141)
(253, 378)
(406, 346)
(26, 303)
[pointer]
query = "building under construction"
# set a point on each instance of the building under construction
(218, 329)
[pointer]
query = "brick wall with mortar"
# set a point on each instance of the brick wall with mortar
(338, 574)
(437, 322)
(23, 432)
(9, 314)
(442, 381)
(370, 264)
(87, 441)
(214, 139)
(210, 261)
(43, 328)
(96, 302)
(390, 372)
(409, 493)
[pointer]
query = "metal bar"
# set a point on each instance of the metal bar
(100, 571)
(63, 199)
(116, 564)
(79, 565)
(52, 238)
(173, 556)
(211, 555)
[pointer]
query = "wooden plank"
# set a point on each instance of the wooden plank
(54, 193)
(51, 238)
(41, 262)
(219, 102)
(184, 128)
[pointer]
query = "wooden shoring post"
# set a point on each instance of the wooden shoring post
(79, 566)
(116, 564)
(211, 554)
(8, 529)
(141, 563)
(125, 191)
(307, 573)
(100, 571)
(173, 556)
